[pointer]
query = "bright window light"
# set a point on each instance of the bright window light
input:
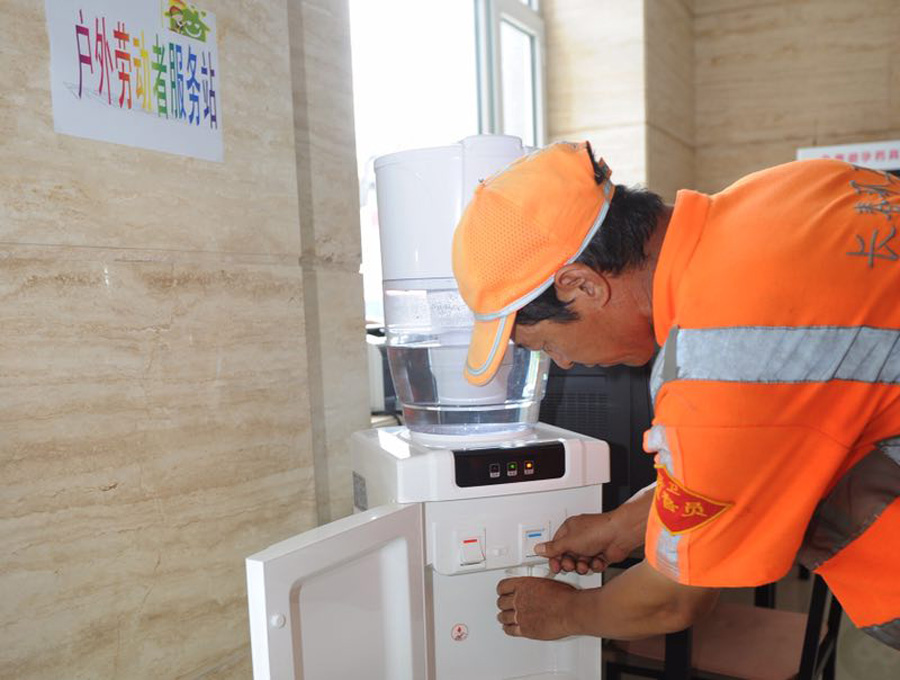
(414, 85)
(429, 73)
(517, 65)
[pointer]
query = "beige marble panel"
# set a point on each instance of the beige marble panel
(339, 381)
(669, 40)
(56, 189)
(328, 185)
(595, 64)
(624, 150)
(720, 165)
(701, 7)
(155, 431)
(789, 69)
(670, 164)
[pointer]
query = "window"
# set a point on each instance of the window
(510, 48)
(430, 72)
(517, 65)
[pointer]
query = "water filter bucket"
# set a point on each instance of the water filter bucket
(421, 197)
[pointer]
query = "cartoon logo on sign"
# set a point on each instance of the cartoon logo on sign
(185, 19)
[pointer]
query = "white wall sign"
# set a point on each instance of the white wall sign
(876, 155)
(143, 73)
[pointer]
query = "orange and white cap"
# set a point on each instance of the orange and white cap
(521, 226)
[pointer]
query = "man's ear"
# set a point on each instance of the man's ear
(577, 280)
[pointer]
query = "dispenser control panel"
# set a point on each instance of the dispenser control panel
(509, 465)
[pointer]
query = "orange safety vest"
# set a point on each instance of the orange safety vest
(777, 388)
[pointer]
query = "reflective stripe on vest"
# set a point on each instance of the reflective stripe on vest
(888, 633)
(780, 355)
(852, 506)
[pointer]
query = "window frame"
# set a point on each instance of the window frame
(489, 14)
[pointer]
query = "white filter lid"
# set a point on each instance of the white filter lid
(422, 194)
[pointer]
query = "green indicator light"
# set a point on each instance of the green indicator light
(512, 466)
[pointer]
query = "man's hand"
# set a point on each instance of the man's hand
(535, 608)
(588, 543)
(639, 603)
(591, 542)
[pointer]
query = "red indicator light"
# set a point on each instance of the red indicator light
(471, 540)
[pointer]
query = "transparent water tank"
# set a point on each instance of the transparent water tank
(421, 196)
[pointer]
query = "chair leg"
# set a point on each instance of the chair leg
(678, 656)
(612, 671)
(830, 667)
(810, 653)
(831, 638)
(764, 596)
(834, 616)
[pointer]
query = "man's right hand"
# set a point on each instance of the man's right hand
(592, 542)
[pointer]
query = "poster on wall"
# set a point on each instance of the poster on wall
(143, 73)
(876, 155)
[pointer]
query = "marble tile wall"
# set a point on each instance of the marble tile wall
(697, 93)
(774, 76)
(327, 186)
(70, 191)
(669, 74)
(595, 80)
(153, 427)
(621, 75)
(159, 415)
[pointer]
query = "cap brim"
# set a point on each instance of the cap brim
(487, 347)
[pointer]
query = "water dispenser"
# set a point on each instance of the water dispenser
(405, 588)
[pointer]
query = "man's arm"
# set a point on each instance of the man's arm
(639, 603)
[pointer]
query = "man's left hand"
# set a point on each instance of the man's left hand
(535, 608)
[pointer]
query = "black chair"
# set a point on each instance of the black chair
(740, 641)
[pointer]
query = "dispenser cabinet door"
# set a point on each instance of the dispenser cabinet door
(345, 600)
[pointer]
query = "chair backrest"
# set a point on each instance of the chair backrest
(817, 656)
